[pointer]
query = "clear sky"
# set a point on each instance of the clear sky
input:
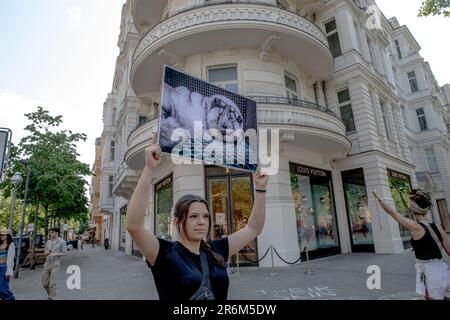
(60, 54)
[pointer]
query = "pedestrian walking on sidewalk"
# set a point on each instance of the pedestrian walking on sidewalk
(54, 250)
(7, 255)
(428, 239)
(192, 268)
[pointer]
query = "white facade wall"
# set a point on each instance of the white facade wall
(368, 80)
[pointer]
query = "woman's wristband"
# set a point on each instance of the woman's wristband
(261, 190)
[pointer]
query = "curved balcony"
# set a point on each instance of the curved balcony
(309, 126)
(228, 26)
(106, 205)
(147, 14)
(138, 140)
(125, 181)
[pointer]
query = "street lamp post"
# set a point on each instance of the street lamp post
(16, 271)
(15, 181)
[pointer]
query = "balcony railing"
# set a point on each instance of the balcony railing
(145, 121)
(292, 101)
(155, 33)
(216, 2)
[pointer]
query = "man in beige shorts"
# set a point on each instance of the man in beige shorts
(54, 250)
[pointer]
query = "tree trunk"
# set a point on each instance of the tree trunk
(35, 233)
(46, 222)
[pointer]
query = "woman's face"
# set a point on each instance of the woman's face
(3, 237)
(196, 225)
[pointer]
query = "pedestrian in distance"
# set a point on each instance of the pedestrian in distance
(192, 268)
(427, 241)
(106, 243)
(54, 250)
(7, 255)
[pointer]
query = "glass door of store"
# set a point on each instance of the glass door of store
(443, 212)
(358, 212)
(230, 202)
(123, 230)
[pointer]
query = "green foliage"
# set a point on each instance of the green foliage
(84, 224)
(57, 178)
(435, 7)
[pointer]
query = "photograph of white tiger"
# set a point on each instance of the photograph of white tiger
(186, 101)
(181, 108)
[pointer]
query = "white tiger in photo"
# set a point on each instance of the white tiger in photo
(181, 108)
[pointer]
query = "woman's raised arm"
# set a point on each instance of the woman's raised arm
(409, 224)
(143, 236)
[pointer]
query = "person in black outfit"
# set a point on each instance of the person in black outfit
(432, 273)
(177, 266)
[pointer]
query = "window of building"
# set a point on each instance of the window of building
(405, 116)
(282, 4)
(400, 185)
(345, 108)
(385, 119)
(422, 119)
(358, 36)
(291, 87)
(444, 214)
(413, 81)
(333, 38)
(399, 51)
(357, 206)
(370, 46)
(113, 120)
(394, 73)
(110, 185)
(413, 158)
(112, 150)
(314, 208)
(431, 159)
(142, 119)
(383, 63)
(123, 229)
(163, 208)
(226, 78)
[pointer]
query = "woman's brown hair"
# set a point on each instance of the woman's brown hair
(181, 212)
(422, 198)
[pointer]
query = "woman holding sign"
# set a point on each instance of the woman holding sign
(428, 239)
(192, 268)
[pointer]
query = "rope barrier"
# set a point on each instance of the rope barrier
(249, 248)
(257, 261)
(265, 254)
(296, 261)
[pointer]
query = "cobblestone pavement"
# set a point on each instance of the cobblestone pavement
(107, 274)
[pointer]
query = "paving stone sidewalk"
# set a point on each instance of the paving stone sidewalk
(107, 275)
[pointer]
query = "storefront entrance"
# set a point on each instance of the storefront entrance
(230, 199)
(443, 213)
(358, 212)
(400, 188)
(314, 210)
(123, 231)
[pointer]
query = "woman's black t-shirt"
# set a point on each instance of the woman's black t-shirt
(426, 248)
(178, 272)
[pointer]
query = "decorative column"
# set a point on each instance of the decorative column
(280, 228)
